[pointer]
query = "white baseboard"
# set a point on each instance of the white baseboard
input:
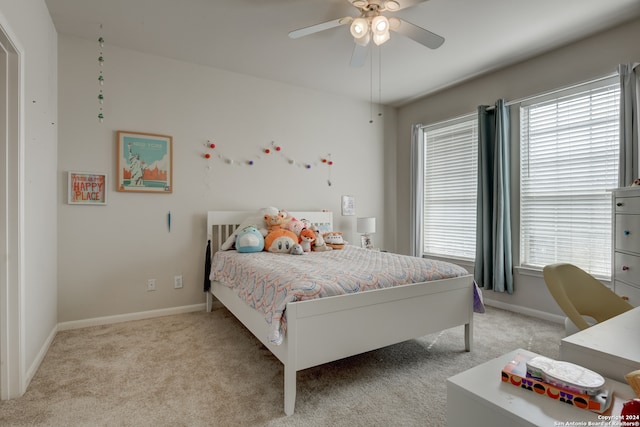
(39, 358)
(107, 320)
(525, 310)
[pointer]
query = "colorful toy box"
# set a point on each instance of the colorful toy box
(515, 373)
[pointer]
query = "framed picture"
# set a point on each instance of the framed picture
(87, 188)
(348, 206)
(145, 163)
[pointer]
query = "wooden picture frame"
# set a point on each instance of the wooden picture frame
(86, 188)
(145, 163)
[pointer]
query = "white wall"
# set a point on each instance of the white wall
(582, 61)
(106, 253)
(29, 22)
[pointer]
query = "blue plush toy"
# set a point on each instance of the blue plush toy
(249, 239)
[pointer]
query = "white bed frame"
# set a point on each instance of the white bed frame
(316, 332)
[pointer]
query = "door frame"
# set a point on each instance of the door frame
(12, 321)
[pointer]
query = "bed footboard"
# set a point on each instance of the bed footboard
(316, 331)
(324, 330)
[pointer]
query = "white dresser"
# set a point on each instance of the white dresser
(625, 263)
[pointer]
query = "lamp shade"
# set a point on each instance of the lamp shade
(362, 41)
(366, 225)
(380, 25)
(378, 39)
(359, 28)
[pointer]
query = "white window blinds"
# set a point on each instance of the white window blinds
(450, 177)
(569, 161)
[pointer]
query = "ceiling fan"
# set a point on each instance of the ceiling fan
(372, 24)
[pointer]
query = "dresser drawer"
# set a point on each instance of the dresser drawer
(627, 204)
(630, 292)
(627, 236)
(626, 268)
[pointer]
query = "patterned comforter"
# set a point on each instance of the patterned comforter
(268, 281)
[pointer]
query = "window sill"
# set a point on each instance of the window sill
(529, 271)
(537, 272)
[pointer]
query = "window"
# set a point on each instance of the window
(569, 144)
(450, 177)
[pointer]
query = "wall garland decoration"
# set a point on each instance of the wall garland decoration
(214, 152)
(100, 77)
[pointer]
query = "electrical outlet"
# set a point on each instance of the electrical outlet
(177, 282)
(151, 284)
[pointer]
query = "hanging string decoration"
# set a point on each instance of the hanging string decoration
(213, 152)
(378, 50)
(327, 161)
(100, 78)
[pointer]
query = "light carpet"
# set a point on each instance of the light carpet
(206, 369)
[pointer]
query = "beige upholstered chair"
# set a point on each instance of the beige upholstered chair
(579, 294)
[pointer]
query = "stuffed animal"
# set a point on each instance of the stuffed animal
(307, 237)
(274, 222)
(319, 245)
(280, 241)
(256, 220)
(285, 216)
(294, 225)
(334, 239)
(249, 239)
(296, 249)
(635, 183)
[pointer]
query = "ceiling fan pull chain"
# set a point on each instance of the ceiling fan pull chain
(380, 81)
(371, 87)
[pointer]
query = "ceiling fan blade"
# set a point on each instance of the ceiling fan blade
(295, 34)
(419, 34)
(359, 55)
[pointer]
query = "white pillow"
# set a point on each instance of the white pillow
(256, 220)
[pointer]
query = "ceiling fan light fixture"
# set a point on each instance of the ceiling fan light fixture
(380, 25)
(359, 28)
(378, 39)
(359, 3)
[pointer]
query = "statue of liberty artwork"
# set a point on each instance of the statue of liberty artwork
(144, 162)
(137, 169)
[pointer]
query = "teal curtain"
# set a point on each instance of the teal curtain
(629, 117)
(417, 190)
(493, 264)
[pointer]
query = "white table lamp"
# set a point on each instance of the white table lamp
(366, 226)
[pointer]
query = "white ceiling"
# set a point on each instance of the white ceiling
(250, 37)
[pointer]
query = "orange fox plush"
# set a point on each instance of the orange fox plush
(307, 237)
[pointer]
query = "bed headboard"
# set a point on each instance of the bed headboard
(221, 224)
